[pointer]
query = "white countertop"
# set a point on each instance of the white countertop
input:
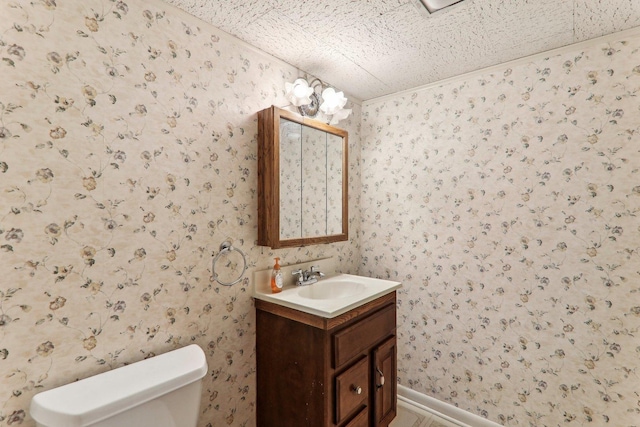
(292, 296)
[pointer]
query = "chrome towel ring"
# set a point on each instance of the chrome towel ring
(226, 247)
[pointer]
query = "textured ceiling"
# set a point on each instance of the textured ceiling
(371, 48)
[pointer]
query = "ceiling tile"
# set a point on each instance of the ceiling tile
(375, 47)
(297, 46)
(226, 15)
(597, 18)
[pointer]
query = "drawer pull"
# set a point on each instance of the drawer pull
(381, 378)
(356, 389)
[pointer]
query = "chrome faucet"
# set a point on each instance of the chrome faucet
(307, 277)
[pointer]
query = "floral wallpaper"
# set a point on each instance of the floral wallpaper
(127, 156)
(507, 203)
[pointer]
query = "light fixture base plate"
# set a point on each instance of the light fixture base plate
(310, 110)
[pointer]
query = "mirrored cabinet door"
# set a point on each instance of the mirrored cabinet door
(290, 180)
(314, 183)
(336, 181)
(302, 174)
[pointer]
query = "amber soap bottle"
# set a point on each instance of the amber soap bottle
(276, 277)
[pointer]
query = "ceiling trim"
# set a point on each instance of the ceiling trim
(632, 32)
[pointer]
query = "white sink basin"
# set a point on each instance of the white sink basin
(332, 289)
(331, 296)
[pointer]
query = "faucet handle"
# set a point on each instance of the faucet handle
(300, 275)
(316, 270)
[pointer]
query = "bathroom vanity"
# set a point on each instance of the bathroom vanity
(326, 369)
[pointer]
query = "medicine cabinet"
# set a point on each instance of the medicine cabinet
(302, 180)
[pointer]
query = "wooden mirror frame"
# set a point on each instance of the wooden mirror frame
(269, 179)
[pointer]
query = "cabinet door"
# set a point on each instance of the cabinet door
(384, 382)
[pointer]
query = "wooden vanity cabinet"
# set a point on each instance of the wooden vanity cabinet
(319, 372)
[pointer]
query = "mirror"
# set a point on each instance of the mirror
(302, 174)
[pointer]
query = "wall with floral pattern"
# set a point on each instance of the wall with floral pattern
(127, 156)
(507, 203)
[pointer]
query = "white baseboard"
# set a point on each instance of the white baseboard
(431, 404)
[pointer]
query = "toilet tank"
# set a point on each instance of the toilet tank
(163, 391)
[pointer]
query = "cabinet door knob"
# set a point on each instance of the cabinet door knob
(356, 389)
(381, 378)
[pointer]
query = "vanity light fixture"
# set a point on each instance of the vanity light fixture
(309, 101)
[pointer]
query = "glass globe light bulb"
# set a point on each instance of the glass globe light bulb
(298, 92)
(332, 101)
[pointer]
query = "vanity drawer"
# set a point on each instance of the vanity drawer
(361, 420)
(352, 390)
(355, 339)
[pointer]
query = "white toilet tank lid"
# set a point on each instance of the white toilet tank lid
(96, 398)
